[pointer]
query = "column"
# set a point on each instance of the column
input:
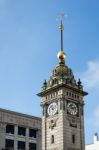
(2, 135)
(16, 137)
(27, 138)
(39, 140)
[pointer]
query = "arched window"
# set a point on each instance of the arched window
(52, 139)
(73, 139)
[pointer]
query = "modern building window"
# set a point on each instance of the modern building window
(32, 133)
(22, 131)
(21, 145)
(32, 146)
(9, 144)
(10, 129)
(73, 139)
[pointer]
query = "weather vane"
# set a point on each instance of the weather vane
(61, 16)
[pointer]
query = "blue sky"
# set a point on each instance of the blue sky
(29, 42)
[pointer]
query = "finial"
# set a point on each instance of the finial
(79, 84)
(61, 54)
(44, 85)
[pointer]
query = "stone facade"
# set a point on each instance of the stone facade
(10, 120)
(62, 125)
(62, 108)
(62, 111)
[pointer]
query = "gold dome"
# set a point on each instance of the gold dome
(61, 55)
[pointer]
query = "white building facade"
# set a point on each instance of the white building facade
(95, 144)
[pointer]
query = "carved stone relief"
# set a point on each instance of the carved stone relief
(52, 123)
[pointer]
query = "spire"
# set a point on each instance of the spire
(61, 27)
(61, 54)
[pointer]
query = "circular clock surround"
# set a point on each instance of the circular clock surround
(52, 109)
(72, 108)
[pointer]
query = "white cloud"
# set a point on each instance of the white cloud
(90, 80)
(90, 77)
(93, 120)
(96, 116)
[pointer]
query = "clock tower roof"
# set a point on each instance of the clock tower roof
(62, 75)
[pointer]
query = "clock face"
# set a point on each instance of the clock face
(52, 109)
(72, 108)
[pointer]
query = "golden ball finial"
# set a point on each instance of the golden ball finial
(61, 56)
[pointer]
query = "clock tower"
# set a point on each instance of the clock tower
(62, 108)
